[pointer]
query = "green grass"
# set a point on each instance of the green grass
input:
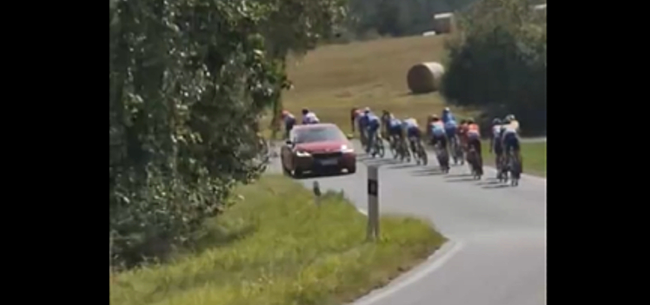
(285, 250)
(534, 156)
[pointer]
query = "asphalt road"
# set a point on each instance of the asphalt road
(497, 252)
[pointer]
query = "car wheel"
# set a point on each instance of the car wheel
(352, 170)
(297, 173)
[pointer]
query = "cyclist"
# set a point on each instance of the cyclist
(495, 141)
(289, 120)
(309, 117)
(393, 128)
(372, 124)
(438, 134)
(354, 114)
(447, 115)
(474, 138)
(462, 134)
(510, 139)
(413, 132)
(451, 129)
(360, 118)
(513, 121)
(385, 119)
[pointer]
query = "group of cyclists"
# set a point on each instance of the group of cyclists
(443, 132)
(289, 120)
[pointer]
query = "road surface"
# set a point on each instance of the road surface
(497, 252)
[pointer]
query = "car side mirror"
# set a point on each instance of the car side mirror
(350, 136)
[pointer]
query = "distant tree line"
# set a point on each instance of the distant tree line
(371, 18)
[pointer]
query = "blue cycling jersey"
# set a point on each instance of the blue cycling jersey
(446, 117)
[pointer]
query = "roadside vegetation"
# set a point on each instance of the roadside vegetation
(497, 63)
(275, 246)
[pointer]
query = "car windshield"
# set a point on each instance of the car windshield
(318, 134)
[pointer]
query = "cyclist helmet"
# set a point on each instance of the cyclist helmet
(385, 112)
(463, 121)
(506, 121)
(470, 121)
(305, 111)
(511, 117)
(366, 110)
(446, 110)
(285, 113)
(496, 121)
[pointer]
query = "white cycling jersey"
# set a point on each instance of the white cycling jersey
(496, 131)
(410, 122)
(510, 128)
(310, 118)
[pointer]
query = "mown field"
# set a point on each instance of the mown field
(332, 79)
(275, 246)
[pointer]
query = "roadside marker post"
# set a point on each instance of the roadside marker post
(317, 193)
(373, 203)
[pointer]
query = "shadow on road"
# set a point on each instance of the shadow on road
(457, 176)
(431, 171)
(379, 162)
(461, 180)
(489, 181)
(404, 165)
(495, 186)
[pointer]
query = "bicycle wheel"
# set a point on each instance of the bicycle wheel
(423, 155)
(394, 148)
(379, 143)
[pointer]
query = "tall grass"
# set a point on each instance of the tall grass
(276, 246)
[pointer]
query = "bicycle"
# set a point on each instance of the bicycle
(511, 165)
(474, 162)
(420, 154)
(393, 146)
(443, 158)
(378, 146)
(457, 150)
(514, 165)
(403, 150)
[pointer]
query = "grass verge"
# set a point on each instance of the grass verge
(534, 156)
(283, 250)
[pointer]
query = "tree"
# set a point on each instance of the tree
(188, 81)
(498, 62)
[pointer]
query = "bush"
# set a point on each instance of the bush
(497, 62)
(188, 83)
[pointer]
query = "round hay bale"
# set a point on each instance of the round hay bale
(425, 77)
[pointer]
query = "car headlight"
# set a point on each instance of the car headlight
(346, 149)
(302, 154)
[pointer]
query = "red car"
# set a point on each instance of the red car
(316, 148)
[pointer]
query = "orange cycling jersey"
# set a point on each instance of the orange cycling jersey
(473, 130)
(462, 132)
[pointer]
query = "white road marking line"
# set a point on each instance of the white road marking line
(435, 261)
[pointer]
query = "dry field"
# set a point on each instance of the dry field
(332, 79)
